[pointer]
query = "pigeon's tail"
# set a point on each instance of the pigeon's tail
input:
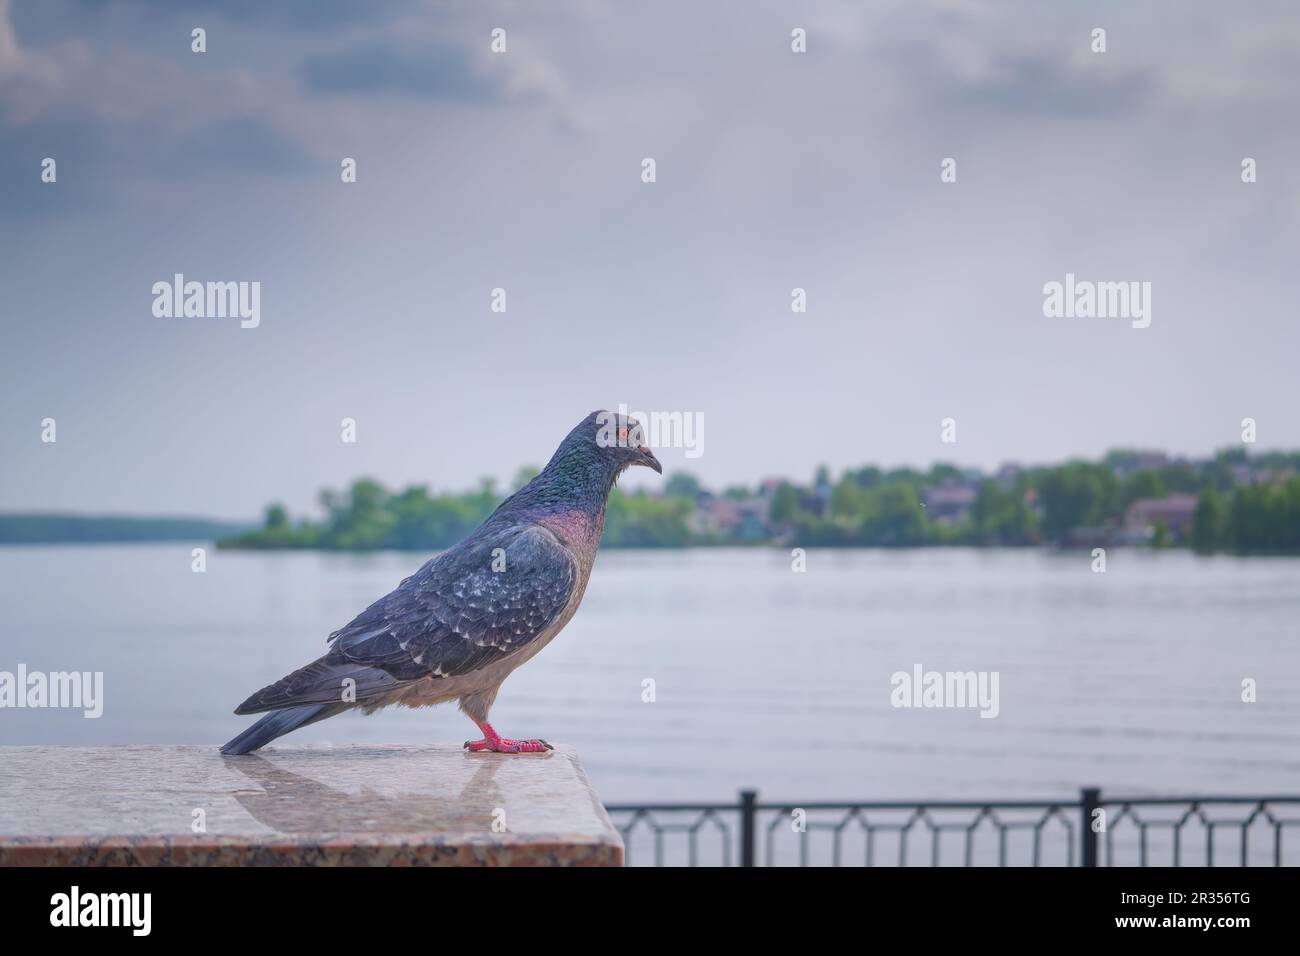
(278, 723)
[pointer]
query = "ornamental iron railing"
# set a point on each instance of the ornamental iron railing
(1090, 831)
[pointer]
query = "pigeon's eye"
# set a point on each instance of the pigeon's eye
(622, 435)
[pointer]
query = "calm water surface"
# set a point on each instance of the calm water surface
(766, 678)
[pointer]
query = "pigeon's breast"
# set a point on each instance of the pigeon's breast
(490, 677)
(580, 532)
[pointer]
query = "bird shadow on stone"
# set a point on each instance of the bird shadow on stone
(293, 803)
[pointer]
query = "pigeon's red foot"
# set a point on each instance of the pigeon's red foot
(504, 745)
(493, 743)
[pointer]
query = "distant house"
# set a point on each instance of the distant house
(714, 515)
(810, 502)
(754, 519)
(743, 520)
(950, 503)
(1175, 512)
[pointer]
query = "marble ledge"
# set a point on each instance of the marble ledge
(313, 806)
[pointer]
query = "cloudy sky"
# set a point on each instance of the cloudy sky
(522, 170)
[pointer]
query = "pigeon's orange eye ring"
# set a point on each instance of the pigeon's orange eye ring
(622, 435)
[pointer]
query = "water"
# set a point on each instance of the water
(1129, 680)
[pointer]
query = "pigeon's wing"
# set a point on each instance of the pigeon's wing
(465, 609)
(470, 606)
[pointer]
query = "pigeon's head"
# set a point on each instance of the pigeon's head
(585, 467)
(617, 441)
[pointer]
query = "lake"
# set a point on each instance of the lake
(1129, 680)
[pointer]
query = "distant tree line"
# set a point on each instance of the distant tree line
(91, 529)
(1262, 519)
(868, 506)
(1046, 504)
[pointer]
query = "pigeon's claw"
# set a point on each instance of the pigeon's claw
(504, 745)
(492, 742)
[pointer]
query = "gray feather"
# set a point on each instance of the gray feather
(277, 724)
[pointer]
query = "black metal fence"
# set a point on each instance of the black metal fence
(1090, 831)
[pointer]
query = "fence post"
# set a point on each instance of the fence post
(1089, 802)
(748, 800)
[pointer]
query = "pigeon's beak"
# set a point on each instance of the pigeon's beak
(646, 457)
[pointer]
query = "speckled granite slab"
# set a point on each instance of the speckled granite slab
(385, 805)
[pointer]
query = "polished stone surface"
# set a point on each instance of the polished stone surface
(401, 805)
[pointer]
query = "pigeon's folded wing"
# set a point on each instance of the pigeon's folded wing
(465, 609)
(475, 604)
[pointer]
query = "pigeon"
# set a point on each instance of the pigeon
(457, 627)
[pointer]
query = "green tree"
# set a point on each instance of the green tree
(645, 521)
(868, 477)
(1075, 495)
(277, 517)
(1142, 484)
(1002, 517)
(991, 503)
(896, 519)
(424, 522)
(1208, 522)
(942, 472)
(1265, 518)
(785, 509)
(850, 500)
(682, 484)
(364, 521)
(1181, 477)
